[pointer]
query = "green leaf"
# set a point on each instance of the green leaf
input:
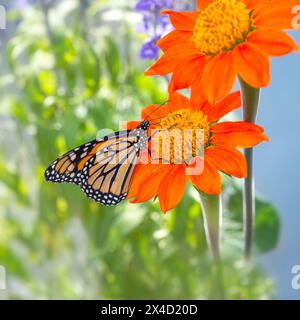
(267, 226)
(112, 59)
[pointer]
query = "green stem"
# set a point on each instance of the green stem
(212, 216)
(250, 107)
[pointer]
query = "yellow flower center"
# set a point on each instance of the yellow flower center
(221, 26)
(181, 136)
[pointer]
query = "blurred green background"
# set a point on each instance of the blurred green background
(69, 70)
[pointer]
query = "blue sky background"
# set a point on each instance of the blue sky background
(278, 165)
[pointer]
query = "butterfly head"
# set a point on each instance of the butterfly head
(145, 125)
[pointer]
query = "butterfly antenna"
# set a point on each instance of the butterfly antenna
(162, 118)
(159, 106)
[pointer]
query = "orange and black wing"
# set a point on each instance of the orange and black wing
(68, 167)
(107, 176)
(103, 169)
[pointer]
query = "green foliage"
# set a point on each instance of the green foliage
(59, 87)
(266, 224)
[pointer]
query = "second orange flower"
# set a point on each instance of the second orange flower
(223, 39)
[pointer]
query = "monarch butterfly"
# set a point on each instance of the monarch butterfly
(103, 168)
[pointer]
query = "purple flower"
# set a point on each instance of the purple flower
(152, 5)
(149, 49)
(155, 24)
(20, 4)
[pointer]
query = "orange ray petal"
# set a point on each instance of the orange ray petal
(238, 134)
(279, 18)
(209, 181)
(236, 126)
(186, 73)
(184, 21)
(273, 42)
(131, 124)
(199, 100)
(227, 160)
(202, 4)
(254, 4)
(172, 188)
(218, 77)
(238, 139)
(154, 111)
(141, 171)
(229, 103)
(177, 101)
(171, 58)
(261, 6)
(173, 38)
(146, 185)
(252, 65)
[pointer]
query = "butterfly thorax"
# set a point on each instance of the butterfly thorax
(141, 135)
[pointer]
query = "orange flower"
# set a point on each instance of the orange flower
(225, 38)
(168, 181)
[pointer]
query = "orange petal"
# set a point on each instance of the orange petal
(141, 172)
(154, 111)
(186, 73)
(236, 126)
(202, 4)
(177, 101)
(237, 134)
(273, 42)
(252, 65)
(229, 103)
(146, 181)
(259, 6)
(209, 181)
(173, 38)
(254, 4)
(218, 77)
(172, 188)
(171, 58)
(199, 100)
(227, 160)
(184, 21)
(279, 18)
(238, 139)
(131, 125)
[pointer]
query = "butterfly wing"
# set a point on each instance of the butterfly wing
(68, 167)
(107, 176)
(102, 168)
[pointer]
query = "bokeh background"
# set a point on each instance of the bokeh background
(71, 68)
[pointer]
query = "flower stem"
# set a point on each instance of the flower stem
(212, 215)
(250, 107)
